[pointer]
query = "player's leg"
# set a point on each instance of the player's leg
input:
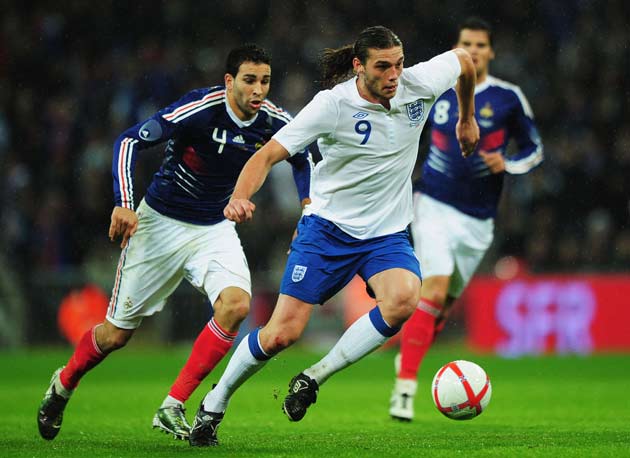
(285, 326)
(396, 292)
(217, 266)
(92, 348)
(450, 246)
(211, 345)
(417, 335)
(391, 269)
(140, 289)
(432, 245)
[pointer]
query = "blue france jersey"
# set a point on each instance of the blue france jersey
(207, 147)
(467, 184)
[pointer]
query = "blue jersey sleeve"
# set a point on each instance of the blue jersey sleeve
(302, 166)
(524, 132)
(159, 128)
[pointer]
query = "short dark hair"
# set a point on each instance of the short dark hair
(475, 23)
(246, 53)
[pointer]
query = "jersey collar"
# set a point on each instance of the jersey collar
(235, 118)
(360, 101)
(483, 86)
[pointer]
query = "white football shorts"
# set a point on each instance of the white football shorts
(449, 242)
(163, 252)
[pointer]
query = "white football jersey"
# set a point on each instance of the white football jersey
(363, 182)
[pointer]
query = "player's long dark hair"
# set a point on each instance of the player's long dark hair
(336, 64)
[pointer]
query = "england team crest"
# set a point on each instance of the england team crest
(298, 273)
(415, 111)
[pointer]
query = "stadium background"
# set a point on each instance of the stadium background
(73, 76)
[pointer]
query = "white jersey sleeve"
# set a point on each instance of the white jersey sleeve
(317, 119)
(434, 76)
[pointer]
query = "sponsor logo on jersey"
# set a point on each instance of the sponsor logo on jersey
(360, 115)
(298, 273)
(238, 139)
(415, 110)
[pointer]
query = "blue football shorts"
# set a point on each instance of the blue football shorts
(324, 259)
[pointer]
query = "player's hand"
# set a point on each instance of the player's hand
(494, 160)
(239, 210)
(467, 133)
(124, 223)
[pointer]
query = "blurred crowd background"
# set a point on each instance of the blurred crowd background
(73, 75)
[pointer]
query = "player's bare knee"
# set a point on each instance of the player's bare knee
(437, 297)
(114, 339)
(400, 307)
(239, 310)
(278, 341)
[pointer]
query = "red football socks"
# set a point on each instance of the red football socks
(86, 355)
(210, 347)
(417, 337)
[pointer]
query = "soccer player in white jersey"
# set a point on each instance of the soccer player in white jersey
(179, 229)
(367, 129)
(456, 201)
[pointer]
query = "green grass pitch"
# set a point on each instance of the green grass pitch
(547, 406)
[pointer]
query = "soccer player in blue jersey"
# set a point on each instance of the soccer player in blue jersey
(179, 231)
(456, 201)
(367, 128)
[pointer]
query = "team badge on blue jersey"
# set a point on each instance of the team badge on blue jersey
(298, 273)
(415, 111)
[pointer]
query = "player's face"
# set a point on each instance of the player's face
(247, 90)
(378, 77)
(477, 43)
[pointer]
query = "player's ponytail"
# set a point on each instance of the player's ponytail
(336, 64)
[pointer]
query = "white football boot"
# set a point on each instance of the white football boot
(401, 401)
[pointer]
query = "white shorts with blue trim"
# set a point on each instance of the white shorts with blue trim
(449, 242)
(163, 252)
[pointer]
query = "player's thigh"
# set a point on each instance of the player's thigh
(321, 262)
(432, 238)
(470, 247)
(395, 286)
(149, 269)
(217, 262)
(392, 271)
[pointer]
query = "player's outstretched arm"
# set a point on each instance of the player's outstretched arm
(124, 223)
(251, 178)
(467, 130)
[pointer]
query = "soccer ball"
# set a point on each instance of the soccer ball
(461, 390)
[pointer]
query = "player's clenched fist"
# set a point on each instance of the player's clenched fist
(239, 210)
(124, 223)
(467, 133)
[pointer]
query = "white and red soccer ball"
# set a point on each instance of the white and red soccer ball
(461, 390)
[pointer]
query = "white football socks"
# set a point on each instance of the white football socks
(242, 365)
(360, 339)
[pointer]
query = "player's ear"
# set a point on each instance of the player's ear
(357, 66)
(229, 81)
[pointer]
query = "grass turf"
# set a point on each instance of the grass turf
(547, 406)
